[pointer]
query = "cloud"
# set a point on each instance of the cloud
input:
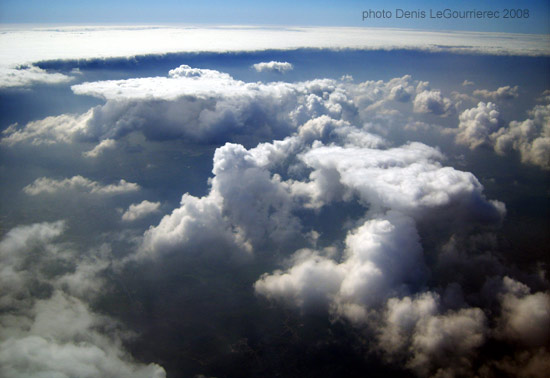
(376, 232)
(24, 76)
(79, 184)
(140, 210)
(180, 82)
(407, 178)
(246, 207)
(46, 326)
(25, 46)
(477, 124)
(502, 93)
(530, 137)
(525, 317)
(49, 130)
(273, 66)
(104, 145)
(382, 257)
(432, 102)
(197, 105)
(483, 125)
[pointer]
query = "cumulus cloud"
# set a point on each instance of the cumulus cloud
(407, 178)
(49, 130)
(432, 102)
(525, 316)
(140, 210)
(530, 137)
(46, 326)
(24, 76)
(273, 66)
(279, 205)
(370, 272)
(181, 81)
(502, 93)
(196, 104)
(78, 184)
(104, 145)
(483, 125)
(477, 124)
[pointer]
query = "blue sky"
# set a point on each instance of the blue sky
(303, 13)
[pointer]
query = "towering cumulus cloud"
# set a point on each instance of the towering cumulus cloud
(216, 225)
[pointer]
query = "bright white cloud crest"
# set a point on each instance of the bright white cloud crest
(273, 66)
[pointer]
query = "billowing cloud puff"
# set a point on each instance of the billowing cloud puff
(204, 105)
(382, 258)
(409, 179)
(50, 130)
(181, 81)
(200, 105)
(530, 137)
(104, 145)
(482, 125)
(140, 210)
(371, 94)
(477, 124)
(525, 317)
(250, 205)
(46, 328)
(79, 184)
(193, 227)
(273, 66)
(246, 206)
(432, 102)
(502, 93)
(24, 76)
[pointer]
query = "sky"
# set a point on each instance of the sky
(301, 13)
(191, 198)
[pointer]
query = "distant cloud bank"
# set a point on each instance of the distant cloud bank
(21, 47)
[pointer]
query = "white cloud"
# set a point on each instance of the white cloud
(140, 210)
(502, 93)
(49, 130)
(530, 137)
(477, 124)
(24, 46)
(432, 102)
(181, 81)
(79, 184)
(482, 125)
(29, 75)
(382, 257)
(273, 66)
(434, 343)
(46, 327)
(408, 178)
(525, 317)
(446, 343)
(104, 145)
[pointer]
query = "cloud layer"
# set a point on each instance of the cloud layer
(327, 201)
(26, 47)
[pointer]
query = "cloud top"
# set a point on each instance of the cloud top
(273, 66)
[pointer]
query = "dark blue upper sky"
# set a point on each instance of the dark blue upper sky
(533, 17)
